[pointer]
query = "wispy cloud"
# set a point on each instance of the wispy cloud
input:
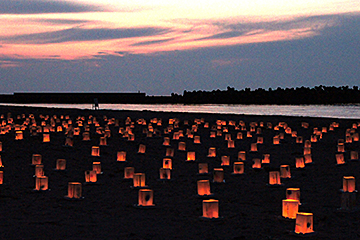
(83, 34)
(45, 6)
(144, 43)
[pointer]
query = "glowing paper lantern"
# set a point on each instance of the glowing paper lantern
(60, 164)
(46, 137)
(231, 144)
(169, 152)
(146, 198)
(142, 148)
(293, 193)
(74, 190)
(242, 156)
(90, 176)
(276, 140)
(285, 171)
(166, 141)
(290, 208)
(225, 160)
(203, 187)
(341, 148)
(86, 136)
(210, 208)
(354, 155)
(299, 139)
(139, 180)
(340, 158)
(203, 168)
(1, 177)
(165, 173)
(256, 163)
(36, 159)
(218, 175)
(39, 170)
(212, 152)
(197, 140)
(349, 184)
(97, 167)
(167, 163)
(238, 168)
(121, 156)
(266, 158)
(307, 158)
(274, 178)
(95, 151)
(19, 135)
(129, 172)
(182, 146)
(190, 156)
(299, 162)
(41, 183)
(304, 223)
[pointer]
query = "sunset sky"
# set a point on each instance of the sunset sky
(161, 47)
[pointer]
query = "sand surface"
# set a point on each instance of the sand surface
(249, 208)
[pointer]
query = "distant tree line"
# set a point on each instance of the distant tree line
(300, 95)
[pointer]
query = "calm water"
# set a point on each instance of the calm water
(332, 111)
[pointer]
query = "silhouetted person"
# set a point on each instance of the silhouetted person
(96, 104)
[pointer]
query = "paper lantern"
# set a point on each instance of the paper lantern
(190, 156)
(39, 170)
(294, 134)
(139, 180)
(95, 151)
(340, 158)
(36, 159)
(142, 148)
(349, 184)
(1, 164)
(248, 134)
(182, 146)
(274, 178)
(276, 140)
(238, 168)
(231, 144)
(290, 208)
(167, 163)
(74, 190)
(203, 168)
(1, 147)
(121, 156)
(165, 173)
(169, 152)
(86, 136)
(176, 136)
(203, 187)
(293, 193)
(242, 156)
(256, 163)
(210, 208)
(266, 158)
(41, 183)
(97, 167)
(299, 139)
(60, 164)
(307, 158)
(260, 140)
(356, 137)
(212, 134)
(212, 152)
(285, 171)
(19, 135)
(304, 223)
(299, 162)
(166, 141)
(90, 176)
(128, 172)
(225, 160)
(1, 177)
(69, 142)
(197, 140)
(218, 175)
(103, 141)
(354, 155)
(239, 135)
(146, 198)
(46, 137)
(341, 148)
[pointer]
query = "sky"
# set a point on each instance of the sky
(161, 46)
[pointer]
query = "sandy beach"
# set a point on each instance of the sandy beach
(249, 207)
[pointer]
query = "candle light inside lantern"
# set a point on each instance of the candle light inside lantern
(19, 135)
(97, 167)
(167, 163)
(139, 180)
(142, 148)
(190, 156)
(95, 151)
(225, 160)
(212, 152)
(46, 137)
(203, 187)
(340, 158)
(293, 193)
(274, 178)
(39, 170)
(60, 164)
(242, 156)
(41, 183)
(285, 171)
(203, 168)
(256, 163)
(218, 175)
(36, 159)
(299, 162)
(165, 173)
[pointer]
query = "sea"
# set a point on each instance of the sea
(348, 111)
